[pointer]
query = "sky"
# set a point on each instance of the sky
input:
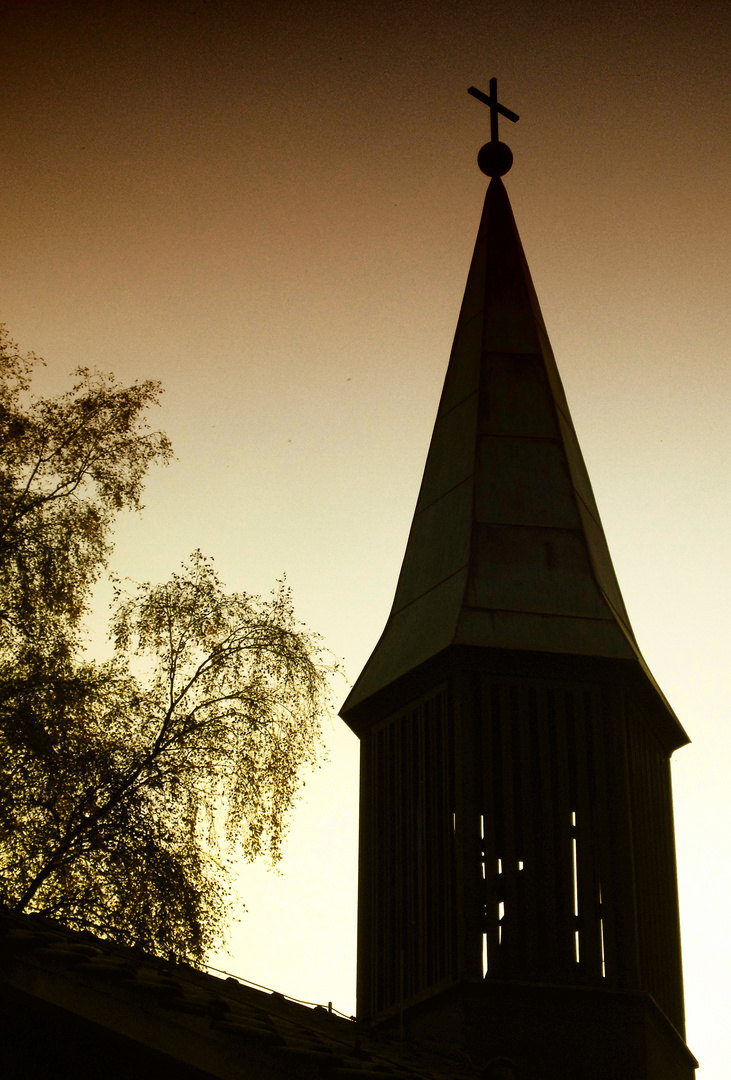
(271, 209)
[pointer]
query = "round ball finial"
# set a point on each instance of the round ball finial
(495, 158)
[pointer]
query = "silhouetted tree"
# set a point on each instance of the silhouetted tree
(68, 465)
(126, 787)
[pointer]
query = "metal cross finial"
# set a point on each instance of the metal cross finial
(495, 107)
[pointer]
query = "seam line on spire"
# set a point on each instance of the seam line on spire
(542, 614)
(431, 588)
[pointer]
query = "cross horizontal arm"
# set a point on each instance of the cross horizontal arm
(493, 104)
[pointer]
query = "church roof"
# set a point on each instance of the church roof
(506, 548)
(77, 1003)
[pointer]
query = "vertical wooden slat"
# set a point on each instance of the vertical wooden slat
(563, 867)
(623, 856)
(507, 852)
(546, 842)
(600, 721)
(586, 843)
(490, 712)
(531, 898)
(656, 883)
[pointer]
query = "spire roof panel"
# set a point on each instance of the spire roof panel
(506, 549)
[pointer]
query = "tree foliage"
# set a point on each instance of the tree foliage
(68, 465)
(127, 786)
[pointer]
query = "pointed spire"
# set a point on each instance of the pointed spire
(506, 549)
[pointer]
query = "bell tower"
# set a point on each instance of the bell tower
(517, 887)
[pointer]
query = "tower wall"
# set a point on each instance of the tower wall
(517, 827)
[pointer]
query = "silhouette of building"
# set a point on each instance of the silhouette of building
(517, 882)
(518, 910)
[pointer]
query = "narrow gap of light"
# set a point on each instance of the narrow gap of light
(500, 866)
(484, 955)
(520, 864)
(574, 861)
(576, 886)
(601, 942)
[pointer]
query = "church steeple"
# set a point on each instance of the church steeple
(517, 842)
(506, 548)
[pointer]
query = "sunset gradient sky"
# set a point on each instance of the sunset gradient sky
(271, 208)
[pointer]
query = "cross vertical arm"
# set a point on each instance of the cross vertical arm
(495, 107)
(493, 110)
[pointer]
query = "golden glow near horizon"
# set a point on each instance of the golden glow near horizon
(273, 212)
